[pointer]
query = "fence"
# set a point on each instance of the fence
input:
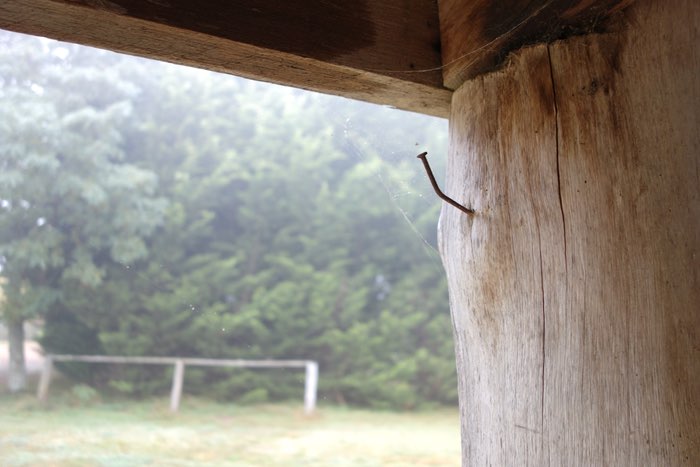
(310, 384)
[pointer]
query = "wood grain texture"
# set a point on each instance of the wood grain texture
(575, 289)
(504, 264)
(364, 50)
(478, 34)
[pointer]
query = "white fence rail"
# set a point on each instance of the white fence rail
(310, 385)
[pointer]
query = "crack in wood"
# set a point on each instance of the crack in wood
(544, 327)
(556, 139)
(522, 427)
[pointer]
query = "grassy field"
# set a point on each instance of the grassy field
(68, 433)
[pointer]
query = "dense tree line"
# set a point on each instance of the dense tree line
(149, 209)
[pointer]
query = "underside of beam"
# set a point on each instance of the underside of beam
(382, 52)
(478, 34)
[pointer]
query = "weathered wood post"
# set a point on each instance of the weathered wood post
(176, 391)
(310, 387)
(42, 392)
(575, 288)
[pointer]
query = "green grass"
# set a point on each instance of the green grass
(70, 433)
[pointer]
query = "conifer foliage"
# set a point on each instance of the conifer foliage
(70, 202)
(157, 210)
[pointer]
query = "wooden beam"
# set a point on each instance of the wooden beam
(478, 34)
(384, 52)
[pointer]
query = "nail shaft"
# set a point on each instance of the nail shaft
(423, 157)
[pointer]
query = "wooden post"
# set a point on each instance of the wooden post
(176, 393)
(310, 387)
(45, 379)
(575, 288)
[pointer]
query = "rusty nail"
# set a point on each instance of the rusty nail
(423, 157)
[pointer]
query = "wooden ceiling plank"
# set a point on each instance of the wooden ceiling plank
(477, 35)
(381, 52)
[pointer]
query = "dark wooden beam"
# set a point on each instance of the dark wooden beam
(478, 34)
(385, 52)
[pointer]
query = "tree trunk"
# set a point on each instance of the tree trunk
(17, 374)
(575, 289)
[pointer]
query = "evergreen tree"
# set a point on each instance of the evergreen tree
(283, 237)
(69, 204)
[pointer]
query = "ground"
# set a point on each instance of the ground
(75, 430)
(71, 432)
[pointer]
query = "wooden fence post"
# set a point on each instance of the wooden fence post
(45, 379)
(176, 393)
(310, 387)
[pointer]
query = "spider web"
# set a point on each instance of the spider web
(410, 192)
